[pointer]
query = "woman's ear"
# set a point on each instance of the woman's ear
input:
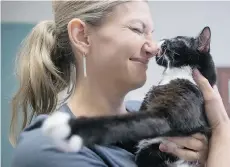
(77, 31)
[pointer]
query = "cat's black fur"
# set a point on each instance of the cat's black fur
(172, 109)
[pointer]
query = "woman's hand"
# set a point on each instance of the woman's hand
(192, 148)
(214, 107)
(219, 145)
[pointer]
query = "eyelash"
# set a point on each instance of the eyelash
(137, 30)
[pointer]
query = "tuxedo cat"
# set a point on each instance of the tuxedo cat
(173, 108)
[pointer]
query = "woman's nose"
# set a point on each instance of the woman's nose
(151, 48)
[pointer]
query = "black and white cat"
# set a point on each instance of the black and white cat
(173, 108)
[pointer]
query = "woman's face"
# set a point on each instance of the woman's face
(120, 49)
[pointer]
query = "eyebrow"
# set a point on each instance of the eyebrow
(138, 21)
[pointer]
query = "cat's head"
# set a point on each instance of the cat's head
(185, 51)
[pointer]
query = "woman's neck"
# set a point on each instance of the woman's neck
(91, 100)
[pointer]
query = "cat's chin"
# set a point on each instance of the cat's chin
(161, 61)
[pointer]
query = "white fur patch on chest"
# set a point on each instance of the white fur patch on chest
(177, 73)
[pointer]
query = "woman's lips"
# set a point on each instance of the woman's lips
(140, 59)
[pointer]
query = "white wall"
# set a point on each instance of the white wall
(171, 19)
(26, 11)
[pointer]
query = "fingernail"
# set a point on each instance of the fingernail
(167, 146)
(171, 147)
(196, 73)
(215, 87)
(163, 148)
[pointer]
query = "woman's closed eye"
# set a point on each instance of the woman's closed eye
(137, 30)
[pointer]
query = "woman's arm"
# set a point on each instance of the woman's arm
(219, 151)
(219, 146)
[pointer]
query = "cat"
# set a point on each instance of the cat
(173, 108)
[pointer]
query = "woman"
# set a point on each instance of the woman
(90, 46)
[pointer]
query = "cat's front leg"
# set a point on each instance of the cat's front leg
(71, 134)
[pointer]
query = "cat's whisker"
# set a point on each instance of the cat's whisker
(176, 53)
(159, 155)
(164, 52)
(162, 62)
(163, 55)
(173, 51)
(173, 59)
(160, 57)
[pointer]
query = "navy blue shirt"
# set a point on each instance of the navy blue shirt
(35, 150)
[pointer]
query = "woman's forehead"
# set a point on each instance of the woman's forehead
(132, 12)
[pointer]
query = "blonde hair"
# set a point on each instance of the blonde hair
(45, 61)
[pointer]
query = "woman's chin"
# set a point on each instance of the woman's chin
(137, 75)
(138, 81)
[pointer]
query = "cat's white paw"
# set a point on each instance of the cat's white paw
(75, 143)
(58, 129)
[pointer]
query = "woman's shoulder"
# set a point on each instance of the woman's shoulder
(35, 150)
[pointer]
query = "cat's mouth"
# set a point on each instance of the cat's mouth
(161, 57)
(161, 53)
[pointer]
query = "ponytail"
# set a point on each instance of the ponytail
(46, 64)
(40, 79)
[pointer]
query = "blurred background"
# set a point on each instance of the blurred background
(170, 18)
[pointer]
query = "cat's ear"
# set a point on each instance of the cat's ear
(204, 39)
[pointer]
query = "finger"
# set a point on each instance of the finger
(184, 154)
(203, 84)
(200, 137)
(213, 101)
(216, 111)
(188, 142)
(216, 91)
